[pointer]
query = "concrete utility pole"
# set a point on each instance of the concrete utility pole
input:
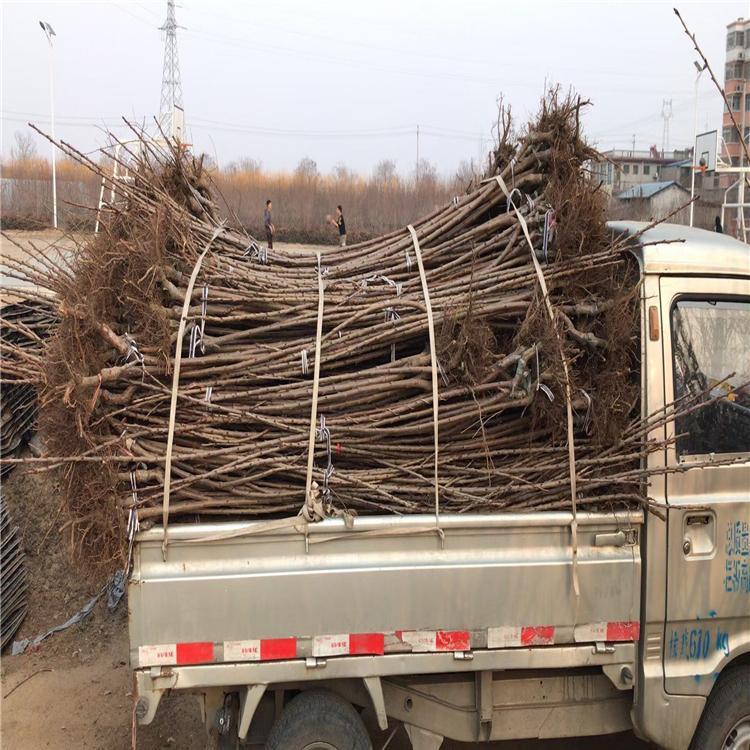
(49, 32)
(171, 117)
(700, 68)
(416, 169)
(666, 115)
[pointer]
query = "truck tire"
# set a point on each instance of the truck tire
(319, 720)
(725, 724)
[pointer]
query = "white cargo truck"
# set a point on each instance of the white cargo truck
(477, 634)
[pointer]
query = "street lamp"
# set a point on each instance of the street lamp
(700, 68)
(49, 32)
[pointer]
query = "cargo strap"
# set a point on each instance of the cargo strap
(175, 386)
(312, 510)
(568, 396)
(433, 361)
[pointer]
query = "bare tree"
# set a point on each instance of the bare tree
(307, 168)
(466, 173)
(24, 147)
(385, 172)
(247, 164)
(426, 173)
(342, 173)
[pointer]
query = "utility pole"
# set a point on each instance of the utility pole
(666, 115)
(700, 68)
(416, 170)
(633, 144)
(171, 110)
(49, 32)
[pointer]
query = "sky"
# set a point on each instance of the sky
(349, 82)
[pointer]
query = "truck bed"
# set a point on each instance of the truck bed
(388, 585)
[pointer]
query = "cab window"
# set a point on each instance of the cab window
(711, 356)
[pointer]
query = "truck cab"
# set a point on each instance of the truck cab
(476, 633)
(695, 604)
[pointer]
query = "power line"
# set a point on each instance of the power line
(205, 123)
(67, 117)
(61, 121)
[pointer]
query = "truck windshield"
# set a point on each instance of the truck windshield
(711, 355)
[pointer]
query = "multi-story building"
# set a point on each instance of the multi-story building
(737, 89)
(620, 169)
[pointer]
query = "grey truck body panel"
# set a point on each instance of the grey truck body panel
(376, 577)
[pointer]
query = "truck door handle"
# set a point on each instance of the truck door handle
(699, 534)
(616, 538)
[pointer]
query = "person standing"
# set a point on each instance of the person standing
(717, 225)
(340, 224)
(268, 223)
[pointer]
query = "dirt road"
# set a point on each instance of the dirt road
(14, 241)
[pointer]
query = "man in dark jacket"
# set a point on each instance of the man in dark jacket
(268, 223)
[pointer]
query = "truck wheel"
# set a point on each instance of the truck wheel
(725, 724)
(318, 720)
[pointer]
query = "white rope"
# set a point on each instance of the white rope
(433, 360)
(309, 499)
(568, 396)
(175, 386)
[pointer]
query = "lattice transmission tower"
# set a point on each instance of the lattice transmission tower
(171, 113)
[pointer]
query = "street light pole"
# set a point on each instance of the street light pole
(49, 32)
(700, 68)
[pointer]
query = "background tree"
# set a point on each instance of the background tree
(384, 173)
(24, 148)
(467, 173)
(342, 173)
(246, 165)
(307, 168)
(425, 173)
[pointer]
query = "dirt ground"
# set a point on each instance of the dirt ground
(77, 692)
(12, 238)
(74, 691)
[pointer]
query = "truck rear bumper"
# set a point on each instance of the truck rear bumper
(617, 661)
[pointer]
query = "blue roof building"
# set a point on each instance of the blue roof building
(649, 189)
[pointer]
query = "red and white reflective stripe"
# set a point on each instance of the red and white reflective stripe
(511, 636)
(423, 641)
(373, 644)
(176, 653)
(627, 630)
(349, 644)
(261, 649)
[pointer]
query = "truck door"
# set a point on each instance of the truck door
(706, 325)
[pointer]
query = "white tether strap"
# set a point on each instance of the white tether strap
(568, 396)
(175, 386)
(316, 384)
(433, 360)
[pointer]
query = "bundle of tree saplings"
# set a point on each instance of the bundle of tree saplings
(24, 324)
(12, 577)
(237, 443)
